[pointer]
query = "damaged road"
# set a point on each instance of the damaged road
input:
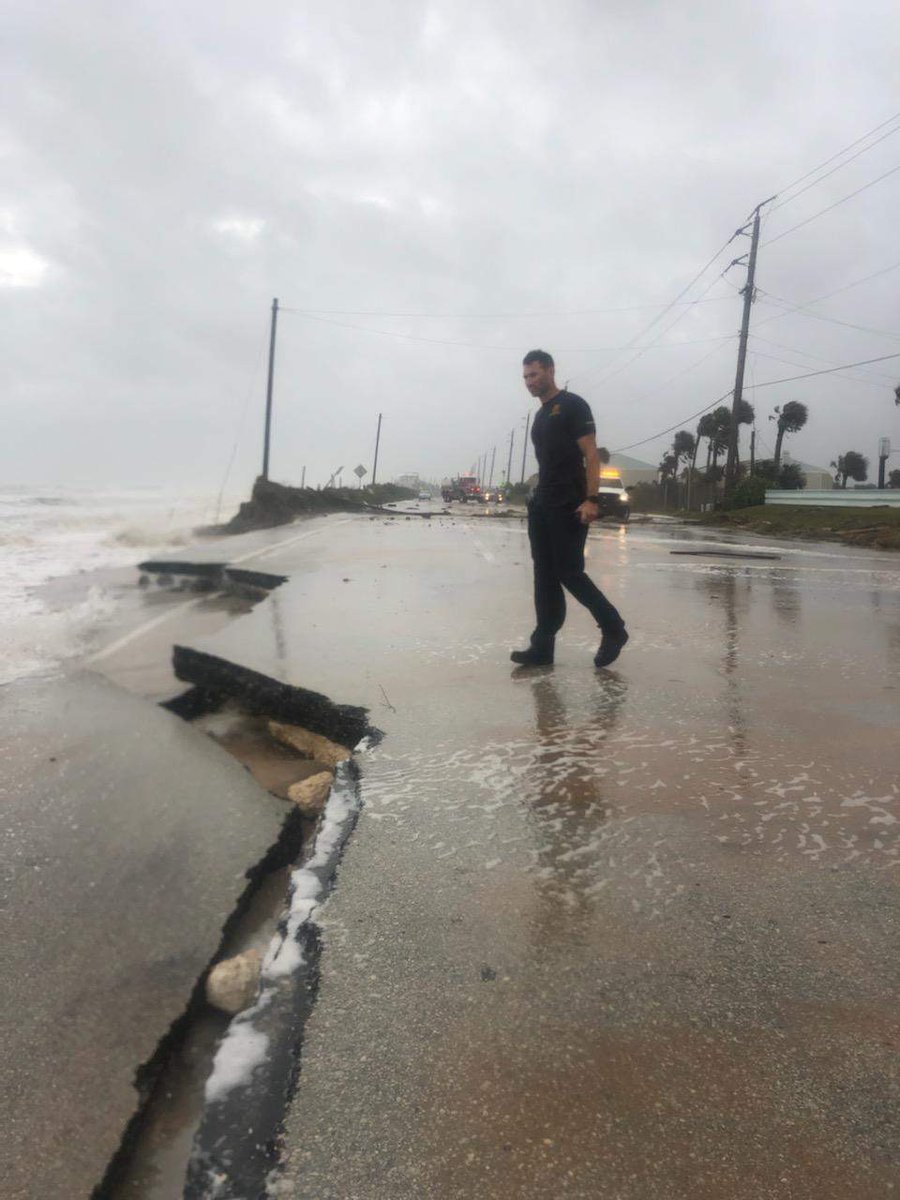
(626, 935)
(621, 935)
(130, 844)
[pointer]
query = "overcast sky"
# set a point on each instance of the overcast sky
(505, 172)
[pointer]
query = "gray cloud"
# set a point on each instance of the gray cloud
(176, 166)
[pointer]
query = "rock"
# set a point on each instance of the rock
(232, 984)
(311, 794)
(313, 745)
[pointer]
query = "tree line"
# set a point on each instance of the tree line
(679, 463)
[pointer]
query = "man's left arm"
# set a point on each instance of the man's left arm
(589, 510)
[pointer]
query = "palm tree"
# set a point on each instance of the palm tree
(718, 442)
(705, 429)
(668, 466)
(851, 465)
(683, 445)
(790, 418)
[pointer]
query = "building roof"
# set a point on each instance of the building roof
(807, 466)
(631, 464)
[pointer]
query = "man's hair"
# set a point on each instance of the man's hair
(541, 357)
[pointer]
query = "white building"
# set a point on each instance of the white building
(633, 470)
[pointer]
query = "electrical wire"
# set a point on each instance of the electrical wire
(800, 310)
(872, 376)
(787, 362)
(815, 170)
(449, 316)
(414, 337)
(843, 200)
(251, 387)
(750, 387)
(826, 371)
(640, 350)
(662, 433)
(836, 292)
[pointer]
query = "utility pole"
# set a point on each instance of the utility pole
(491, 476)
(753, 450)
(525, 445)
(512, 434)
(303, 478)
(265, 470)
(377, 443)
(731, 464)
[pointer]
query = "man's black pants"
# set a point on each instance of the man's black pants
(557, 537)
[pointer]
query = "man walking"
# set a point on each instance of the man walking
(559, 513)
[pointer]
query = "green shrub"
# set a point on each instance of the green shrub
(749, 492)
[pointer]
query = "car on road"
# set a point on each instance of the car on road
(424, 495)
(614, 499)
(494, 496)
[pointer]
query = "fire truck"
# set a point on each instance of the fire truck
(465, 488)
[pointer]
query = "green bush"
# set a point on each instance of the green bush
(749, 492)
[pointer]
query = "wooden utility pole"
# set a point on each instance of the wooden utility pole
(493, 459)
(512, 434)
(748, 292)
(268, 434)
(753, 450)
(377, 443)
(731, 463)
(525, 445)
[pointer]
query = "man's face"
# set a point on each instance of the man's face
(538, 379)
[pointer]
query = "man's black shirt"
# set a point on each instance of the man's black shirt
(557, 426)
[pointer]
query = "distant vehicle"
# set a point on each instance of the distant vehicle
(424, 495)
(463, 489)
(471, 487)
(614, 499)
(494, 496)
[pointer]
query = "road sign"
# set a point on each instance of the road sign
(360, 471)
(884, 448)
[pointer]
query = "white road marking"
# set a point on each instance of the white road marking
(196, 601)
(483, 551)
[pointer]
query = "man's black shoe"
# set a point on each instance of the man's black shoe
(610, 648)
(533, 657)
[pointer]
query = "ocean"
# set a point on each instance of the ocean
(80, 534)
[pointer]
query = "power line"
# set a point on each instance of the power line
(802, 311)
(827, 370)
(855, 283)
(677, 425)
(457, 316)
(413, 337)
(839, 154)
(843, 200)
(854, 378)
(769, 383)
(640, 350)
(872, 376)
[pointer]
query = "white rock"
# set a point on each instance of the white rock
(232, 984)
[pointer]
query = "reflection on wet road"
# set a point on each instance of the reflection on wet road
(627, 935)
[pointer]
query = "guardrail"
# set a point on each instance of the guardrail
(838, 498)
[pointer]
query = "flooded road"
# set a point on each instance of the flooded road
(625, 934)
